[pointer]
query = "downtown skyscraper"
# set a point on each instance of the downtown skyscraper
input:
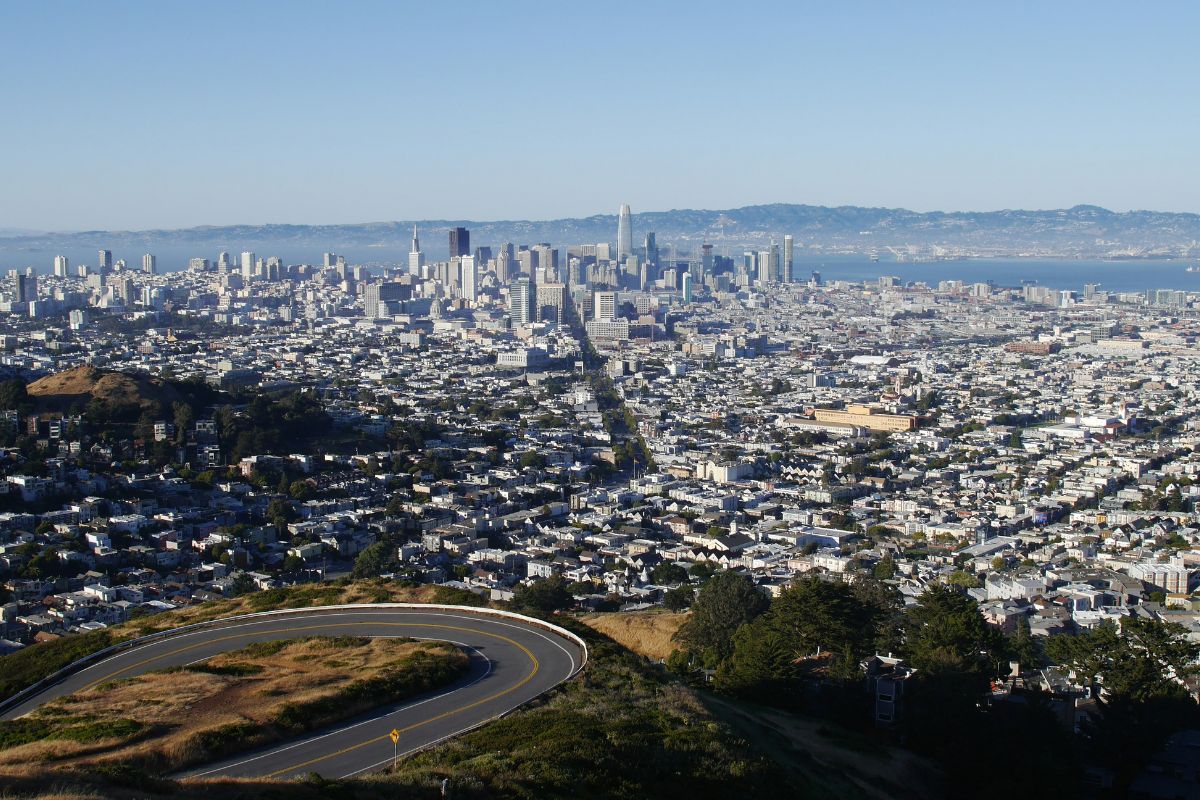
(460, 242)
(624, 233)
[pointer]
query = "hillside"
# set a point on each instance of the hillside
(1080, 231)
(79, 386)
(621, 729)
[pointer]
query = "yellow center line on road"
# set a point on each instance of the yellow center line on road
(443, 715)
(532, 658)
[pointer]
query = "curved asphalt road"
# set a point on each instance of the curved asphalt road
(511, 662)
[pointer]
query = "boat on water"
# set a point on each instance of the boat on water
(1193, 268)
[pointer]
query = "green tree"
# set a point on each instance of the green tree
(725, 602)
(301, 490)
(668, 572)
(945, 632)
(374, 560)
(293, 564)
(545, 596)
(13, 395)
(242, 584)
(886, 568)
(678, 599)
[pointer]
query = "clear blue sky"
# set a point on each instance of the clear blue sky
(169, 114)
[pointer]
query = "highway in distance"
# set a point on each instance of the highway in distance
(512, 660)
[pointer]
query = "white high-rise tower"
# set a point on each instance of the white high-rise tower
(416, 259)
(624, 233)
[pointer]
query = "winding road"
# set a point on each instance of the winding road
(513, 660)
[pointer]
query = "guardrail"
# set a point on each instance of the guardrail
(129, 644)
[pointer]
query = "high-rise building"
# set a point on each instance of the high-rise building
(547, 262)
(377, 297)
(105, 262)
(604, 306)
(470, 278)
(416, 259)
(247, 265)
(776, 264)
(522, 297)
(788, 246)
(61, 267)
(706, 259)
(551, 302)
(223, 262)
(149, 264)
(651, 250)
(460, 242)
(766, 272)
(197, 265)
(624, 232)
(20, 286)
(687, 287)
(330, 260)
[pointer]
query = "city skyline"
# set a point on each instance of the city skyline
(938, 108)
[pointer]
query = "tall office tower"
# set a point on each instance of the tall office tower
(687, 287)
(522, 296)
(460, 242)
(551, 302)
(149, 264)
(603, 251)
(273, 270)
(529, 262)
(330, 260)
(631, 270)
(765, 271)
(106, 262)
(604, 306)
(20, 284)
(483, 255)
(624, 233)
(816, 280)
(197, 265)
(470, 278)
(651, 250)
(503, 268)
(788, 245)
(247, 265)
(223, 262)
(776, 264)
(547, 261)
(61, 267)
(416, 259)
(706, 259)
(382, 299)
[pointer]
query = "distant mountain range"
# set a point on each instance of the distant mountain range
(1081, 231)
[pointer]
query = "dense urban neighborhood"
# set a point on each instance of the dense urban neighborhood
(615, 431)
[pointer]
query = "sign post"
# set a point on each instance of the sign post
(395, 736)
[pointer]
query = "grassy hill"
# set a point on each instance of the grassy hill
(118, 390)
(623, 728)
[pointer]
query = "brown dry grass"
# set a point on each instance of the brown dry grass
(648, 633)
(175, 706)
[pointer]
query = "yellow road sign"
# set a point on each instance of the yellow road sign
(395, 734)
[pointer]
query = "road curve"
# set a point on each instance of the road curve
(513, 660)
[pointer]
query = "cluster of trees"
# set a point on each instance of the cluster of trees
(272, 425)
(803, 650)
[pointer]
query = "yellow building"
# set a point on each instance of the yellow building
(867, 417)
